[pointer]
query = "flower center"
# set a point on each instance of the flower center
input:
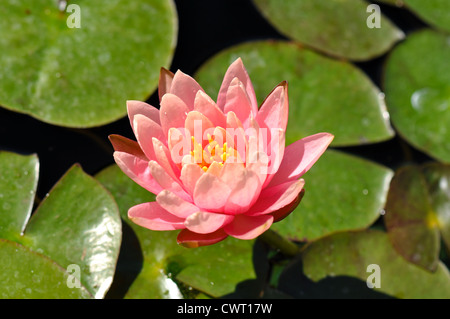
(213, 152)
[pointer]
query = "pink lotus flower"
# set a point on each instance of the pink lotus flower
(218, 169)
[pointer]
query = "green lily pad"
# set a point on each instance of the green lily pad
(28, 275)
(76, 224)
(18, 181)
(80, 77)
(350, 254)
(417, 86)
(416, 212)
(337, 200)
(336, 27)
(323, 93)
(213, 270)
(434, 12)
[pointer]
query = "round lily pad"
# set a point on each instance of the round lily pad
(434, 12)
(416, 213)
(343, 28)
(368, 254)
(75, 65)
(28, 275)
(323, 93)
(417, 86)
(337, 200)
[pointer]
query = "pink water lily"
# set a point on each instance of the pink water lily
(218, 169)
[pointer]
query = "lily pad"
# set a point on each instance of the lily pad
(416, 213)
(28, 275)
(323, 93)
(343, 192)
(76, 224)
(434, 12)
(350, 254)
(18, 181)
(417, 86)
(76, 66)
(336, 27)
(213, 270)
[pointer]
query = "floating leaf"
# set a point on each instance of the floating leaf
(350, 254)
(212, 270)
(18, 182)
(336, 27)
(343, 192)
(324, 95)
(417, 85)
(434, 12)
(28, 275)
(80, 77)
(416, 211)
(77, 223)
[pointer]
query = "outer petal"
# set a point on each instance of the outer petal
(165, 82)
(123, 144)
(138, 107)
(275, 108)
(275, 198)
(153, 216)
(145, 130)
(205, 222)
(186, 88)
(167, 182)
(175, 205)
(248, 227)
(172, 113)
(237, 70)
(300, 156)
(211, 193)
(286, 210)
(137, 169)
(190, 239)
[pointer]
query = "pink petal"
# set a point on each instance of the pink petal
(179, 144)
(137, 107)
(237, 70)
(238, 102)
(275, 108)
(137, 169)
(153, 216)
(300, 156)
(248, 227)
(205, 222)
(274, 198)
(211, 193)
(165, 82)
(245, 187)
(164, 158)
(236, 131)
(186, 88)
(196, 123)
(205, 105)
(190, 239)
(190, 173)
(167, 182)
(173, 112)
(145, 130)
(286, 210)
(123, 144)
(276, 153)
(175, 205)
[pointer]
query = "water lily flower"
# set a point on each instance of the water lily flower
(218, 169)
